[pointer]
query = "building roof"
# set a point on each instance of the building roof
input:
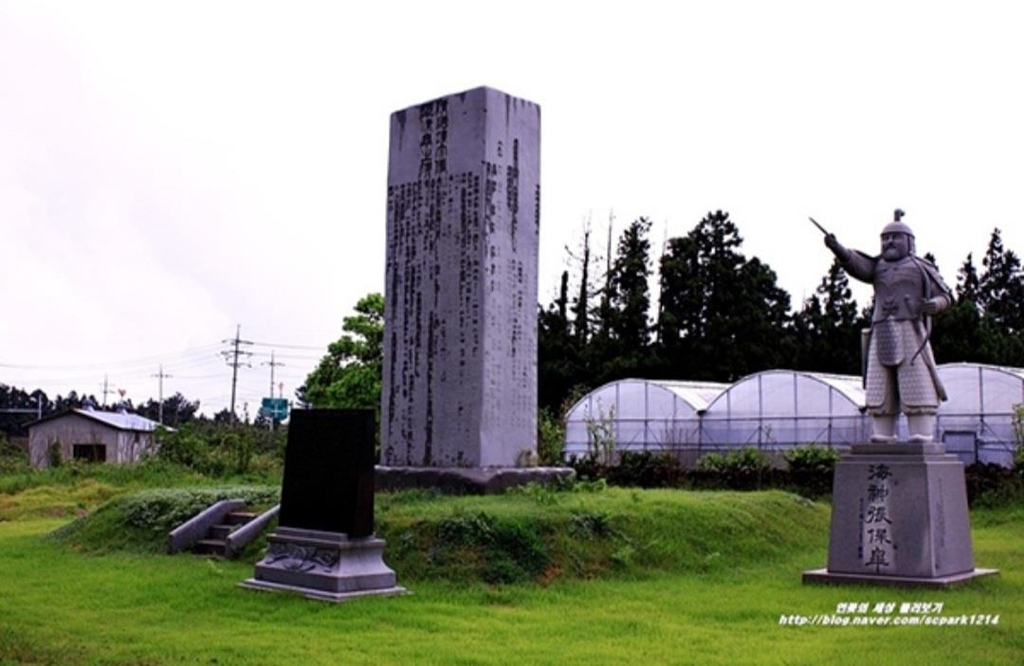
(117, 420)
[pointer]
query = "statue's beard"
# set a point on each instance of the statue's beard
(893, 253)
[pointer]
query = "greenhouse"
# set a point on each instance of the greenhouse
(977, 422)
(779, 409)
(638, 415)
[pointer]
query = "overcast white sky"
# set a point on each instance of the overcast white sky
(169, 170)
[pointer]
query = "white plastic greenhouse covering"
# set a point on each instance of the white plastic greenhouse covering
(779, 409)
(645, 414)
(976, 423)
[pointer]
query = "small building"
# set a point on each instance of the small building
(91, 436)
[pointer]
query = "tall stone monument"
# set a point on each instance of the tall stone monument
(460, 340)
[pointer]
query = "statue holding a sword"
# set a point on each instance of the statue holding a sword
(899, 369)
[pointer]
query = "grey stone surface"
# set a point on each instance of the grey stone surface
(324, 565)
(826, 577)
(460, 344)
(196, 527)
(899, 516)
(471, 481)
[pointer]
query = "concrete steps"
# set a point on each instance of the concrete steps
(215, 543)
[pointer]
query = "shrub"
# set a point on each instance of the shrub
(13, 460)
(588, 468)
(742, 469)
(550, 438)
(601, 436)
(54, 456)
(220, 450)
(811, 468)
(500, 550)
(646, 469)
(989, 484)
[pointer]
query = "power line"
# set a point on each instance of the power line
(283, 346)
(139, 361)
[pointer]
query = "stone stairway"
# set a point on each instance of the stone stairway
(215, 543)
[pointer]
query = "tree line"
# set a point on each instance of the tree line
(721, 315)
(19, 407)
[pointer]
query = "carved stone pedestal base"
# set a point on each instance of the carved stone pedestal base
(899, 517)
(324, 565)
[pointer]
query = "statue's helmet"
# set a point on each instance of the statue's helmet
(897, 226)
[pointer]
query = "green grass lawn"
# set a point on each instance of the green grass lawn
(669, 577)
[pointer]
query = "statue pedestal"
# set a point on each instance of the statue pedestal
(324, 565)
(899, 517)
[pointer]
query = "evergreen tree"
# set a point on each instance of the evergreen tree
(1001, 287)
(559, 365)
(620, 347)
(828, 327)
(627, 294)
(968, 286)
(722, 316)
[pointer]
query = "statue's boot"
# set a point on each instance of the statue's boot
(921, 427)
(883, 429)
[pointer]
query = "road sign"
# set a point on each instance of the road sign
(274, 408)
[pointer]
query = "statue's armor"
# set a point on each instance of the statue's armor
(900, 373)
(899, 288)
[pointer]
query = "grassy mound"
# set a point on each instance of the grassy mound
(140, 522)
(540, 535)
(531, 535)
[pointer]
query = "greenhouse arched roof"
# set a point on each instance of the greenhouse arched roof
(641, 413)
(975, 388)
(781, 393)
(635, 398)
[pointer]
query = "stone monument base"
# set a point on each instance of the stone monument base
(324, 565)
(899, 517)
(824, 576)
(468, 480)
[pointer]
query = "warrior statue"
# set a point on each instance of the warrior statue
(899, 372)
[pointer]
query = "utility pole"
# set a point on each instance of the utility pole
(106, 390)
(272, 364)
(161, 376)
(231, 356)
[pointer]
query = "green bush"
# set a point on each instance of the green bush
(811, 468)
(741, 469)
(219, 450)
(13, 460)
(550, 439)
(497, 550)
(992, 485)
(54, 456)
(646, 469)
(588, 468)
